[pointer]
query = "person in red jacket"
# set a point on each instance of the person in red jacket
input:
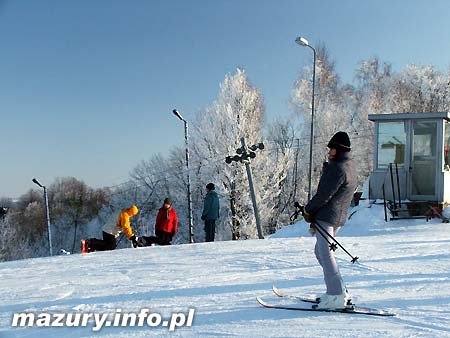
(166, 226)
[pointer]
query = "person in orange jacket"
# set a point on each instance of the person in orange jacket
(112, 230)
(166, 226)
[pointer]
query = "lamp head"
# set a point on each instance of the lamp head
(177, 114)
(302, 41)
(35, 181)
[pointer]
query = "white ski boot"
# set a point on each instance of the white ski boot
(332, 302)
(346, 294)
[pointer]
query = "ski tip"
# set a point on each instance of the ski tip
(277, 291)
(261, 301)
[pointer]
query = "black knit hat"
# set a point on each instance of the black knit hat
(167, 200)
(340, 141)
(210, 186)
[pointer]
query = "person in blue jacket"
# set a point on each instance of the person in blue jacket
(210, 212)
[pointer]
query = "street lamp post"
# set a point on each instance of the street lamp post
(35, 181)
(186, 141)
(303, 42)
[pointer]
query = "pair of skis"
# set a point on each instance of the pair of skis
(303, 303)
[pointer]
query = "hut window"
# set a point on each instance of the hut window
(391, 144)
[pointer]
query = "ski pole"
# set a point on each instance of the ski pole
(318, 226)
(298, 209)
(120, 239)
(332, 246)
(354, 259)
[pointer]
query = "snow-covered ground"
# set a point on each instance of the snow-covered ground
(405, 268)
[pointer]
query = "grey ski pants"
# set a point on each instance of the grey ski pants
(325, 256)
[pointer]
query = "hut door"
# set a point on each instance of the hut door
(423, 165)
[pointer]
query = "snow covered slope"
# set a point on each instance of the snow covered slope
(405, 268)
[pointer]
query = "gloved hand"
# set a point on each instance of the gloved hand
(133, 239)
(203, 218)
(312, 230)
(308, 218)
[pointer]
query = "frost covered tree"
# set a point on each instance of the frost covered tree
(420, 89)
(9, 243)
(26, 226)
(414, 89)
(238, 112)
(72, 205)
(158, 178)
(373, 79)
(373, 86)
(284, 145)
(334, 111)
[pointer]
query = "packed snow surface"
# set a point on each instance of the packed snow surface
(404, 268)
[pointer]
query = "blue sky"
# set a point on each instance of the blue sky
(87, 87)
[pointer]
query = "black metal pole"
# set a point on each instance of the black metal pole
(296, 168)
(47, 214)
(398, 186)
(392, 186)
(47, 211)
(384, 203)
(186, 141)
(191, 224)
(252, 190)
(311, 141)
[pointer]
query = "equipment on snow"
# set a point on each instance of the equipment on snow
(84, 246)
(297, 301)
(350, 310)
(315, 300)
